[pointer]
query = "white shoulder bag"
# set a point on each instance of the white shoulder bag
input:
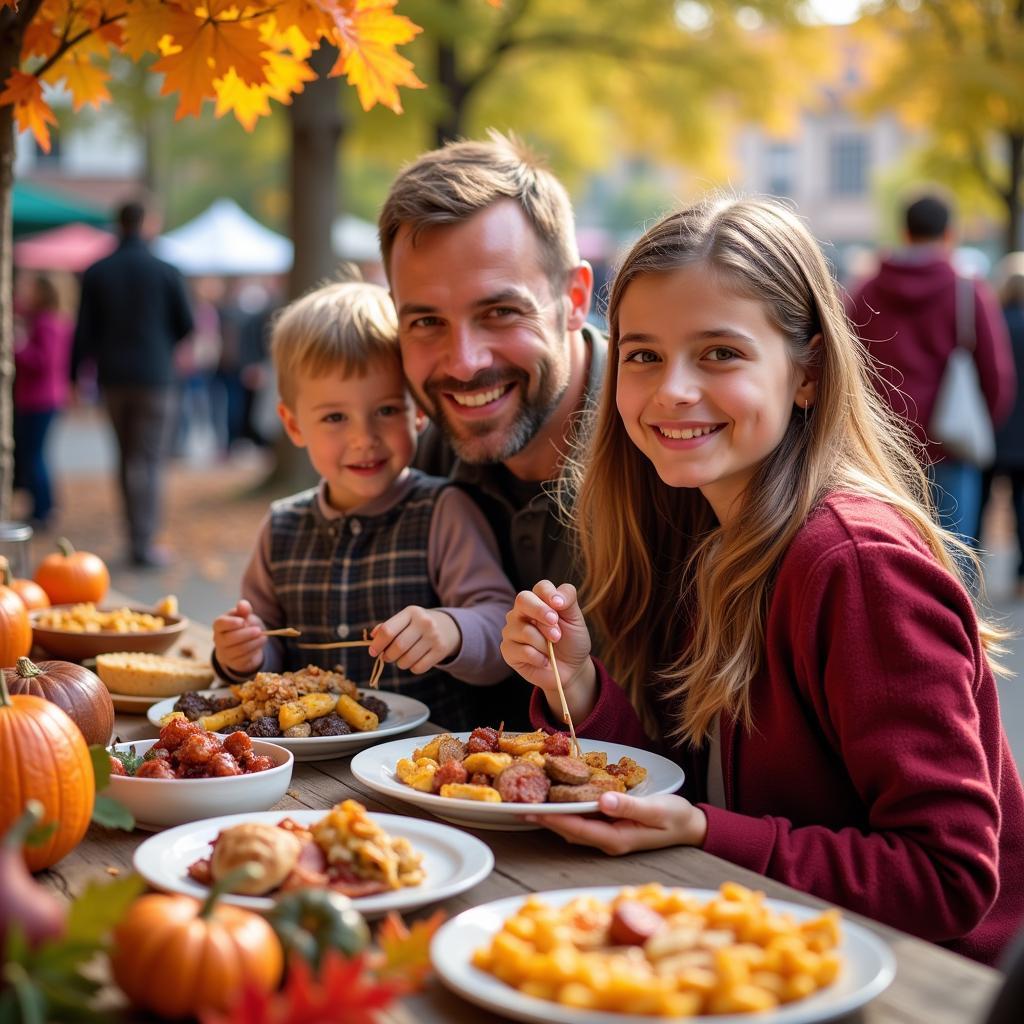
(960, 419)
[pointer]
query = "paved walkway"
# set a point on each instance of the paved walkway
(212, 518)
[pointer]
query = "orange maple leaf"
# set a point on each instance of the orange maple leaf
(31, 112)
(86, 81)
(405, 952)
(367, 32)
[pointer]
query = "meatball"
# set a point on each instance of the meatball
(193, 706)
(330, 725)
(450, 771)
(238, 743)
(522, 783)
(116, 766)
(223, 764)
(479, 779)
(176, 731)
(223, 703)
(257, 763)
(227, 730)
(156, 769)
(264, 728)
(374, 704)
(482, 739)
(157, 753)
(200, 749)
(557, 744)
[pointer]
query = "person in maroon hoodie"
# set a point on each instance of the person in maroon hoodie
(906, 314)
(42, 369)
(788, 619)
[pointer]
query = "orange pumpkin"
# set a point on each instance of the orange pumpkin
(78, 692)
(32, 595)
(15, 627)
(69, 576)
(43, 756)
(176, 957)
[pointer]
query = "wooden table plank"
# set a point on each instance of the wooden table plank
(932, 985)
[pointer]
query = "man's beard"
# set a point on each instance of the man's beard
(482, 442)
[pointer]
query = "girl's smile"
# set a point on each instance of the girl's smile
(705, 387)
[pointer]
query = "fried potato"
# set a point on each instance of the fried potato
(596, 759)
(522, 743)
(468, 791)
(356, 715)
(418, 774)
(305, 708)
(229, 716)
(628, 770)
(431, 749)
(487, 762)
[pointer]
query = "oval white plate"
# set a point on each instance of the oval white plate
(376, 768)
(452, 860)
(404, 713)
(868, 969)
(133, 703)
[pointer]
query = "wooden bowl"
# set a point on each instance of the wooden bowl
(72, 646)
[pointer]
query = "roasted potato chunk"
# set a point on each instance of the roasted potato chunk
(468, 791)
(486, 762)
(312, 705)
(229, 716)
(522, 743)
(356, 715)
(417, 774)
(431, 749)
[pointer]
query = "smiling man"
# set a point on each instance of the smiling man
(480, 250)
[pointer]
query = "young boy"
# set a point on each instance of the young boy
(377, 545)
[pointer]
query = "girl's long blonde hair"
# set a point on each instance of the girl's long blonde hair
(676, 599)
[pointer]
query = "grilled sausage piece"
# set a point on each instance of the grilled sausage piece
(522, 783)
(569, 770)
(633, 923)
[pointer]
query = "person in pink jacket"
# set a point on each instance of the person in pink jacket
(780, 611)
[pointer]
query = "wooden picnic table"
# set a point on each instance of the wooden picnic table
(932, 985)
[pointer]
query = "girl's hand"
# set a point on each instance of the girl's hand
(238, 640)
(416, 638)
(641, 823)
(550, 612)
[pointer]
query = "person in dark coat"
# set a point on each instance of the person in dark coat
(133, 312)
(1010, 436)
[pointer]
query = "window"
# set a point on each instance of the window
(848, 165)
(780, 169)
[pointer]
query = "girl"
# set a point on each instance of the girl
(778, 606)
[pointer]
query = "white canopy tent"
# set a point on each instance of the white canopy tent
(224, 239)
(355, 239)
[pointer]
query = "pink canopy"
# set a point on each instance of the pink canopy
(70, 247)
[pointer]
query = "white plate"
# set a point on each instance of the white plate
(404, 713)
(376, 767)
(133, 703)
(868, 969)
(452, 860)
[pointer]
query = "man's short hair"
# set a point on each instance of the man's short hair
(451, 184)
(346, 326)
(927, 219)
(130, 217)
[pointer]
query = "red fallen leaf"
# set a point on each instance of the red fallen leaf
(405, 952)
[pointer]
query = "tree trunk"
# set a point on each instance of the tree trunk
(316, 130)
(1014, 227)
(11, 33)
(450, 123)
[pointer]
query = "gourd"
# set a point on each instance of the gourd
(74, 689)
(15, 627)
(32, 595)
(25, 905)
(175, 957)
(43, 756)
(70, 577)
(309, 922)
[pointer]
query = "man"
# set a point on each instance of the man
(479, 246)
(907, 315)
(133, 312)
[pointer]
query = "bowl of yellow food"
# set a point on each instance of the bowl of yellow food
(78, 631)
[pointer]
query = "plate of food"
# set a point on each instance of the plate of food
(609, 955)
(382, 861)
(314, 713)
(79, 631)
(490, 779)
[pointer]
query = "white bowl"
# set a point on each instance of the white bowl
(161, 803)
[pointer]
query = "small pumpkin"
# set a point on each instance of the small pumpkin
(177, 957)
(43, 756)
(74, 689)
(309, 922)
(32, 595)
(15, 627)
(70, 577)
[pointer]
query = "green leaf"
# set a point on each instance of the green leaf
(100, 765)
(110, 814)
(29, 1004)
(100, 907)
(41, 833)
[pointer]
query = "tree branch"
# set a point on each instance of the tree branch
(68, 43)
(976, 155)
(504, 41)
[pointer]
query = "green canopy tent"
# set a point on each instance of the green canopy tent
(37, 208)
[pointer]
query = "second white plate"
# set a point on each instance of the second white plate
(452, 860)
(404, 713)
(376, 767)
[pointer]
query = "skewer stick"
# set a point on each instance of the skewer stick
(566, 717)
(283, 631)
(378, 671)
(335, 644)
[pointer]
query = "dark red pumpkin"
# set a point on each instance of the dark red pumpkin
(74, 689)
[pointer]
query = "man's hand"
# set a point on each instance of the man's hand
(639, 823)
(238, 640)
(416, 639)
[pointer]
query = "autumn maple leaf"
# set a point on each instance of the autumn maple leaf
(344, 993)
(31, 111)
(405, 952)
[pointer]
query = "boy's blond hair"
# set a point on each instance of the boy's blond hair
(346, 327)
